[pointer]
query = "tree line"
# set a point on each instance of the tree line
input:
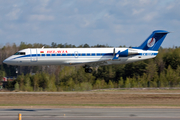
(162, 71)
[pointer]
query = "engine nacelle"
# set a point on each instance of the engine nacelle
(127, 52)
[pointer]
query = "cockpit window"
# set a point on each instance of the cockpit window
(20, 53)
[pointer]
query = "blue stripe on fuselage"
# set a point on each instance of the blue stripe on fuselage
(79, 54)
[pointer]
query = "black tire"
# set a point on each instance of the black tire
(86, 70)
(89, 70)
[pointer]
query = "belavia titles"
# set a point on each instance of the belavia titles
(88, 57)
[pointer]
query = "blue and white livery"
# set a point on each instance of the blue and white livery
(88, 57)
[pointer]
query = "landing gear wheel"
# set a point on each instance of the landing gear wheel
(88, 70)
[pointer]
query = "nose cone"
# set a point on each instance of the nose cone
(8, 61)
(5, 61)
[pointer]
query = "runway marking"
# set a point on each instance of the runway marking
(98, 116)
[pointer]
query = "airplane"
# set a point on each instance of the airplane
(88, 57)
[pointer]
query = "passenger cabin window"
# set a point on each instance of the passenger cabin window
(20, 53)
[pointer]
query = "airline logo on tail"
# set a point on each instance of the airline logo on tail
(151, 42)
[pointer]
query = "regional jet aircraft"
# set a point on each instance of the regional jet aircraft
(88, 57)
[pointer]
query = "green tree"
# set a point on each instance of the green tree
(70, 83)
(133, 82)
(36, 82)
(121, 82)
(20, 80)
(85, 86)
(27, 83)
(172, 58)
(51, 84)
(127, 83)
(103, 84)
(2, 74)
(97, 84)
(163, 80)
(171, 76)
(142, 80)
(16, 86)
(110, 84)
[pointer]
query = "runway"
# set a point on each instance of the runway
(91, 114)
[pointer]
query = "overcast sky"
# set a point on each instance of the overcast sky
(112, 22)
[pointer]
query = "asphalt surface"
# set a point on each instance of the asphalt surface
(91, 114)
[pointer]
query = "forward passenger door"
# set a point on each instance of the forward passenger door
(33, 55)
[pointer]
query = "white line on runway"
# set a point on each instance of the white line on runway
(97, 116)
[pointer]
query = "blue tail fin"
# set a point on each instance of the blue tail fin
(154, 41)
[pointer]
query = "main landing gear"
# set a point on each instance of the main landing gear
(88, 69)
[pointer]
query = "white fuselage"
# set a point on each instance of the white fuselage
(77, 56)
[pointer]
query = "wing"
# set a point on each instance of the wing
(92, 64)
(99, 63)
